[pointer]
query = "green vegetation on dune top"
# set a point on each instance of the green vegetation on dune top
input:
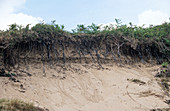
(119, 29)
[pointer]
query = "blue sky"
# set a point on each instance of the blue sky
(73, 12)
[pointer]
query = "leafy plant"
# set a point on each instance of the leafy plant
(164, 64)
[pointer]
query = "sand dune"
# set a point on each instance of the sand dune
(79, 87)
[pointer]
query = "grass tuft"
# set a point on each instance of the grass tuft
(17, 105)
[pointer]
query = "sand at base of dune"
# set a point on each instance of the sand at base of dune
(79, 87)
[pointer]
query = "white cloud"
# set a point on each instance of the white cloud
(150, 17)
(9, 16)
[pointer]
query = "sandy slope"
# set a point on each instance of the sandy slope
(86, 88)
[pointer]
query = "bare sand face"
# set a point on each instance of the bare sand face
(86, 88)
